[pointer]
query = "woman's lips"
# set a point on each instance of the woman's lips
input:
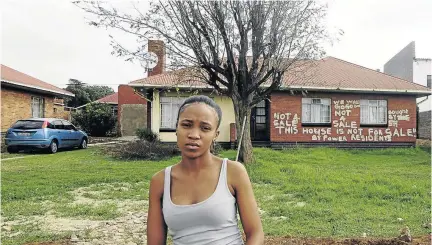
(192, 146)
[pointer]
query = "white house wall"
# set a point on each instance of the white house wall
(422, 68)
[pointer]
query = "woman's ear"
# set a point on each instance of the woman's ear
(217, 134)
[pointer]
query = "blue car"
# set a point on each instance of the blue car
(44, 133)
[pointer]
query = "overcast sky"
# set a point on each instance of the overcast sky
(50, 39)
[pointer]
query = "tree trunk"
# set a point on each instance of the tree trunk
(241, 110)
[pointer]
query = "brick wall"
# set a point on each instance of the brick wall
(16, 104)
(286, 124)
(127, 96)
(424, 125)
(157, 47)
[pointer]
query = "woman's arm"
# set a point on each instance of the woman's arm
(156, 227)
(248, 209)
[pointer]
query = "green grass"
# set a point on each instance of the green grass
(317, 192)
(5, 155)
(95, 212)
(344, 192)
(31, 233)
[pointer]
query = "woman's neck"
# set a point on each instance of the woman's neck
(196, 164)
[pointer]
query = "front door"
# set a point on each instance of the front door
(259, 122)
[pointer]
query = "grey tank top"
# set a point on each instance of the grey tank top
(212, 221)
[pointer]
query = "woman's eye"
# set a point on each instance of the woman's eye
(206, 128)
(186, 125)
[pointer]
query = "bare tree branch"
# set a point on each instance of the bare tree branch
(242, 49)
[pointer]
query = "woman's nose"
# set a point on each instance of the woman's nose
(193, 134)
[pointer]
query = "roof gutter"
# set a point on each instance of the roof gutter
(350, 90)
(37, 88)
(165, 86)
(331, 89)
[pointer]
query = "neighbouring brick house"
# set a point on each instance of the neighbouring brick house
(335, 103)
(23, 96)
(111, 99)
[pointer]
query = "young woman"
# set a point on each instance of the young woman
(196, 200)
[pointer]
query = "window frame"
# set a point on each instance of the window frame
(60, 124)
(320, 123)
(41, 106)
(114, 110)
(179, 101)
(374, 124)
(67, 124)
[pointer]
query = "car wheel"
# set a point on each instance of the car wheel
(83, 144)
(11, 149)
(53, 147)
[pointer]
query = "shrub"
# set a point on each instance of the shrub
(96, 119)
(144, 150)
(147, 134)
(216, 149)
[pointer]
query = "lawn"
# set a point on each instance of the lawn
(319, 192)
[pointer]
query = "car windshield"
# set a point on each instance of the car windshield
(28, 124)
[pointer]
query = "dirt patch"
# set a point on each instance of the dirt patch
(423, 143)
(129, 228)
(94, 140)
(63, 242)
(425, 240)
(352, 241)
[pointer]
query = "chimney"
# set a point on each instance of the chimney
(157, 47)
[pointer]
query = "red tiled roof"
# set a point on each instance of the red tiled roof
(110, 99)
(327, 74)
(14, 77)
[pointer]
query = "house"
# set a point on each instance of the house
(406, 65)
(111, 99)
(24, 96)
(334, 103)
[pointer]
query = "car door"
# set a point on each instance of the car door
(60, 133)
(73, 134)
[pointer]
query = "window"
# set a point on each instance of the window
(169, 110)
(260, 117)
(373, 112)
(51, 126)
(429, 81)
(68, 125)
(58, 124)
(114, 110)
(315, 110)
(37, 106)
(28, 124)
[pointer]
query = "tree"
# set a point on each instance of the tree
(85, 94)
(96, 119)
(242, 49)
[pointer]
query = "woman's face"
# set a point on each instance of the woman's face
(196, 129)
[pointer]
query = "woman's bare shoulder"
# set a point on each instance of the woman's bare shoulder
(157, 181)
(237, 173)
(236, 167)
